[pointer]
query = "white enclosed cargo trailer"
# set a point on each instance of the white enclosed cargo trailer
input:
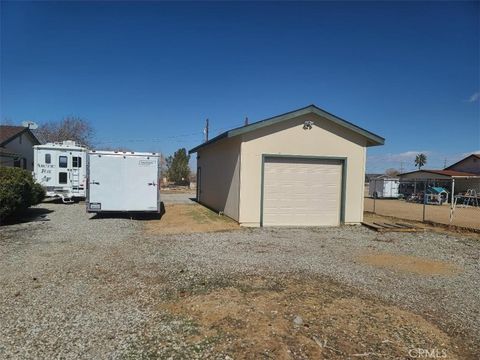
(383, 187)
(123, 181)
(60, 169)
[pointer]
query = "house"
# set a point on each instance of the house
(470, 164)
(370, 177)
(16, 146)
(305, 167)
(465, 173)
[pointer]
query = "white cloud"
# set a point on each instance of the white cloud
(470, 153)
(406, 160)
(403, 156)
(475, 97)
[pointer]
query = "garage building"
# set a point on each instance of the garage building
(302, 168)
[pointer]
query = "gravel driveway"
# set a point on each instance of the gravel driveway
(76, 286)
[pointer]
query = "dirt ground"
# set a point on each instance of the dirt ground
(409, 263)
(182, 219)
(303, 318)
(465, 217)
(79, 286)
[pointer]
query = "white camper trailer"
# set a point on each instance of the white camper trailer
(383, 187)
(123, 181)
(60, 169)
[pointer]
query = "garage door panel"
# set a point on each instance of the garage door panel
(301, 192)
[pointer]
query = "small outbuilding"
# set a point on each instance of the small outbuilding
(302, 168)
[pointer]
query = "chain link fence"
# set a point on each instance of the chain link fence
(445, 201)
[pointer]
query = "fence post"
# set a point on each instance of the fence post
(452, 196)
(374, 194)
(424, 199)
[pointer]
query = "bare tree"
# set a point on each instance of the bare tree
(392, 172)
(69, 128)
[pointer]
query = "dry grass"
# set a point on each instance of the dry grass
(427, 226)
(465, 217)
(180, 219)
(256, 321)
(406, 263)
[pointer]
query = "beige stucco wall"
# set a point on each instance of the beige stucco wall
(289, 138)
(220, 176)
(24, 148)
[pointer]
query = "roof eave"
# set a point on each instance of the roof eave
(27, 130)
(372, 139)
(206, 143)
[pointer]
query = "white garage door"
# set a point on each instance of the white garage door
(301, 192)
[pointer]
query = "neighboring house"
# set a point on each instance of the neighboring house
(370, 177)
(470, 164)
(305, 167)
(16, 146)
(464, 180)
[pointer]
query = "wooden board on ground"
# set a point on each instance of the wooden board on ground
(390, 227)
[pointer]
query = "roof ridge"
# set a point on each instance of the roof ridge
(373, 138)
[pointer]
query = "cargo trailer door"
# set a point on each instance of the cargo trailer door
(104, 182)
(141, 183)
(122, 183)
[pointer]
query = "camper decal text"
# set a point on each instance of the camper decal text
(146, 162)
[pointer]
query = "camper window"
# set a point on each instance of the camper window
(62, 161)
(62, 178)
(76, 162)
(48, 158)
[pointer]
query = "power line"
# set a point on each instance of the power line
(106, 141)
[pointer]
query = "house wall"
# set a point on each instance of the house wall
(422, 175)
(6, 161)
(469, 165)
(289, 138)
(220, 176)
(462, 185)
(22, 145)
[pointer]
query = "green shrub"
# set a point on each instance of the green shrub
(18, 191)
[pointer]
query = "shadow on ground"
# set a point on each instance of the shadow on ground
(131, 215)
(28, 215)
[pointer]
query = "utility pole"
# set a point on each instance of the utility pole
(401, 167)
(205, 131)
(445, 163)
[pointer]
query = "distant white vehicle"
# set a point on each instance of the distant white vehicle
(123, 181)
(60, 169)
(383, 187)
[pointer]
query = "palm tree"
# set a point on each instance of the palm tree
(420, 160)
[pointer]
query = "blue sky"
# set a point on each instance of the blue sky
(147, 75)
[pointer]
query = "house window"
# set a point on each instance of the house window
(62, 178)
(76, 162)
(48, 158)
(17, 162)
(62, 161)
